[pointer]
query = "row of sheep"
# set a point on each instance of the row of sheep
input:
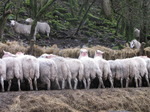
(41, 27)
(49, 67)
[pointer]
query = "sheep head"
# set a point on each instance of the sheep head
(132, 44)
(8, 54)
(83, 53)
(29, 20)
(19, 53)
(99, 53)
(48, 56)
(12, 22)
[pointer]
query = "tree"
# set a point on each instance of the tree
(132, 14)
(5, 12)
(84, 17)
(38, 9)
(106, 8)
(144, 24)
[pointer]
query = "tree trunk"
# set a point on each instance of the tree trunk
(106, 8)
(84, 17)
(3, 20)
(1, 28)
(144, 27)
(32, 33)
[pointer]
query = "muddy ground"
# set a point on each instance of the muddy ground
(66, 39)
(93, 100)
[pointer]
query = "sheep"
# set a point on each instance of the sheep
(130, 71)
(2, 73)
(136, 32)
(142, 67)
(26, 65)
(30, 68)
(147, 60)
(104, 66)
(48, 71)
(133, 68)
(13, 69)
(41, 27)
(91, 69)
(21, 28)
(125, 69)
(135, 44)
(117, 70)
(76, 68)
(63, 69)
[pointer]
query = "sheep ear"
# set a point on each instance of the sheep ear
(5, 52)
(48, 56)
(102, 52)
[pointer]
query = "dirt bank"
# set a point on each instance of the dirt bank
(93, 100)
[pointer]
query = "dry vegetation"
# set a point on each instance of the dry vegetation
(94, 100)
(14, 47)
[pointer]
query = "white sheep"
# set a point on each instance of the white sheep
(2, 73)
(21, 28)
(30, 68)
(13, 69)
(91, 69)
(104, 66)
(125, 69)
(136, 32)
(130, 71)
(117, 70)
(26, 64)
(135, 44)
(132, 68)
(48, 72)
(147, 60)
(142, 67)
(41, 27)
(77, 70)
(63, 69)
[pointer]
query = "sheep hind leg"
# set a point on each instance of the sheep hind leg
(9, 85)
(19, 85)
(146, 77)
(136, 82)
(75, 83)
(47, 34)
(57, 82)
(127, 82)
(140, 82)
(111, 82)
(101, 83)
(88, 83)
(84, 82)
(2, 84)
(35, 83)
(63, 84)
(30, 82)
(121, 81)
(48, 82)
(69, 82)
